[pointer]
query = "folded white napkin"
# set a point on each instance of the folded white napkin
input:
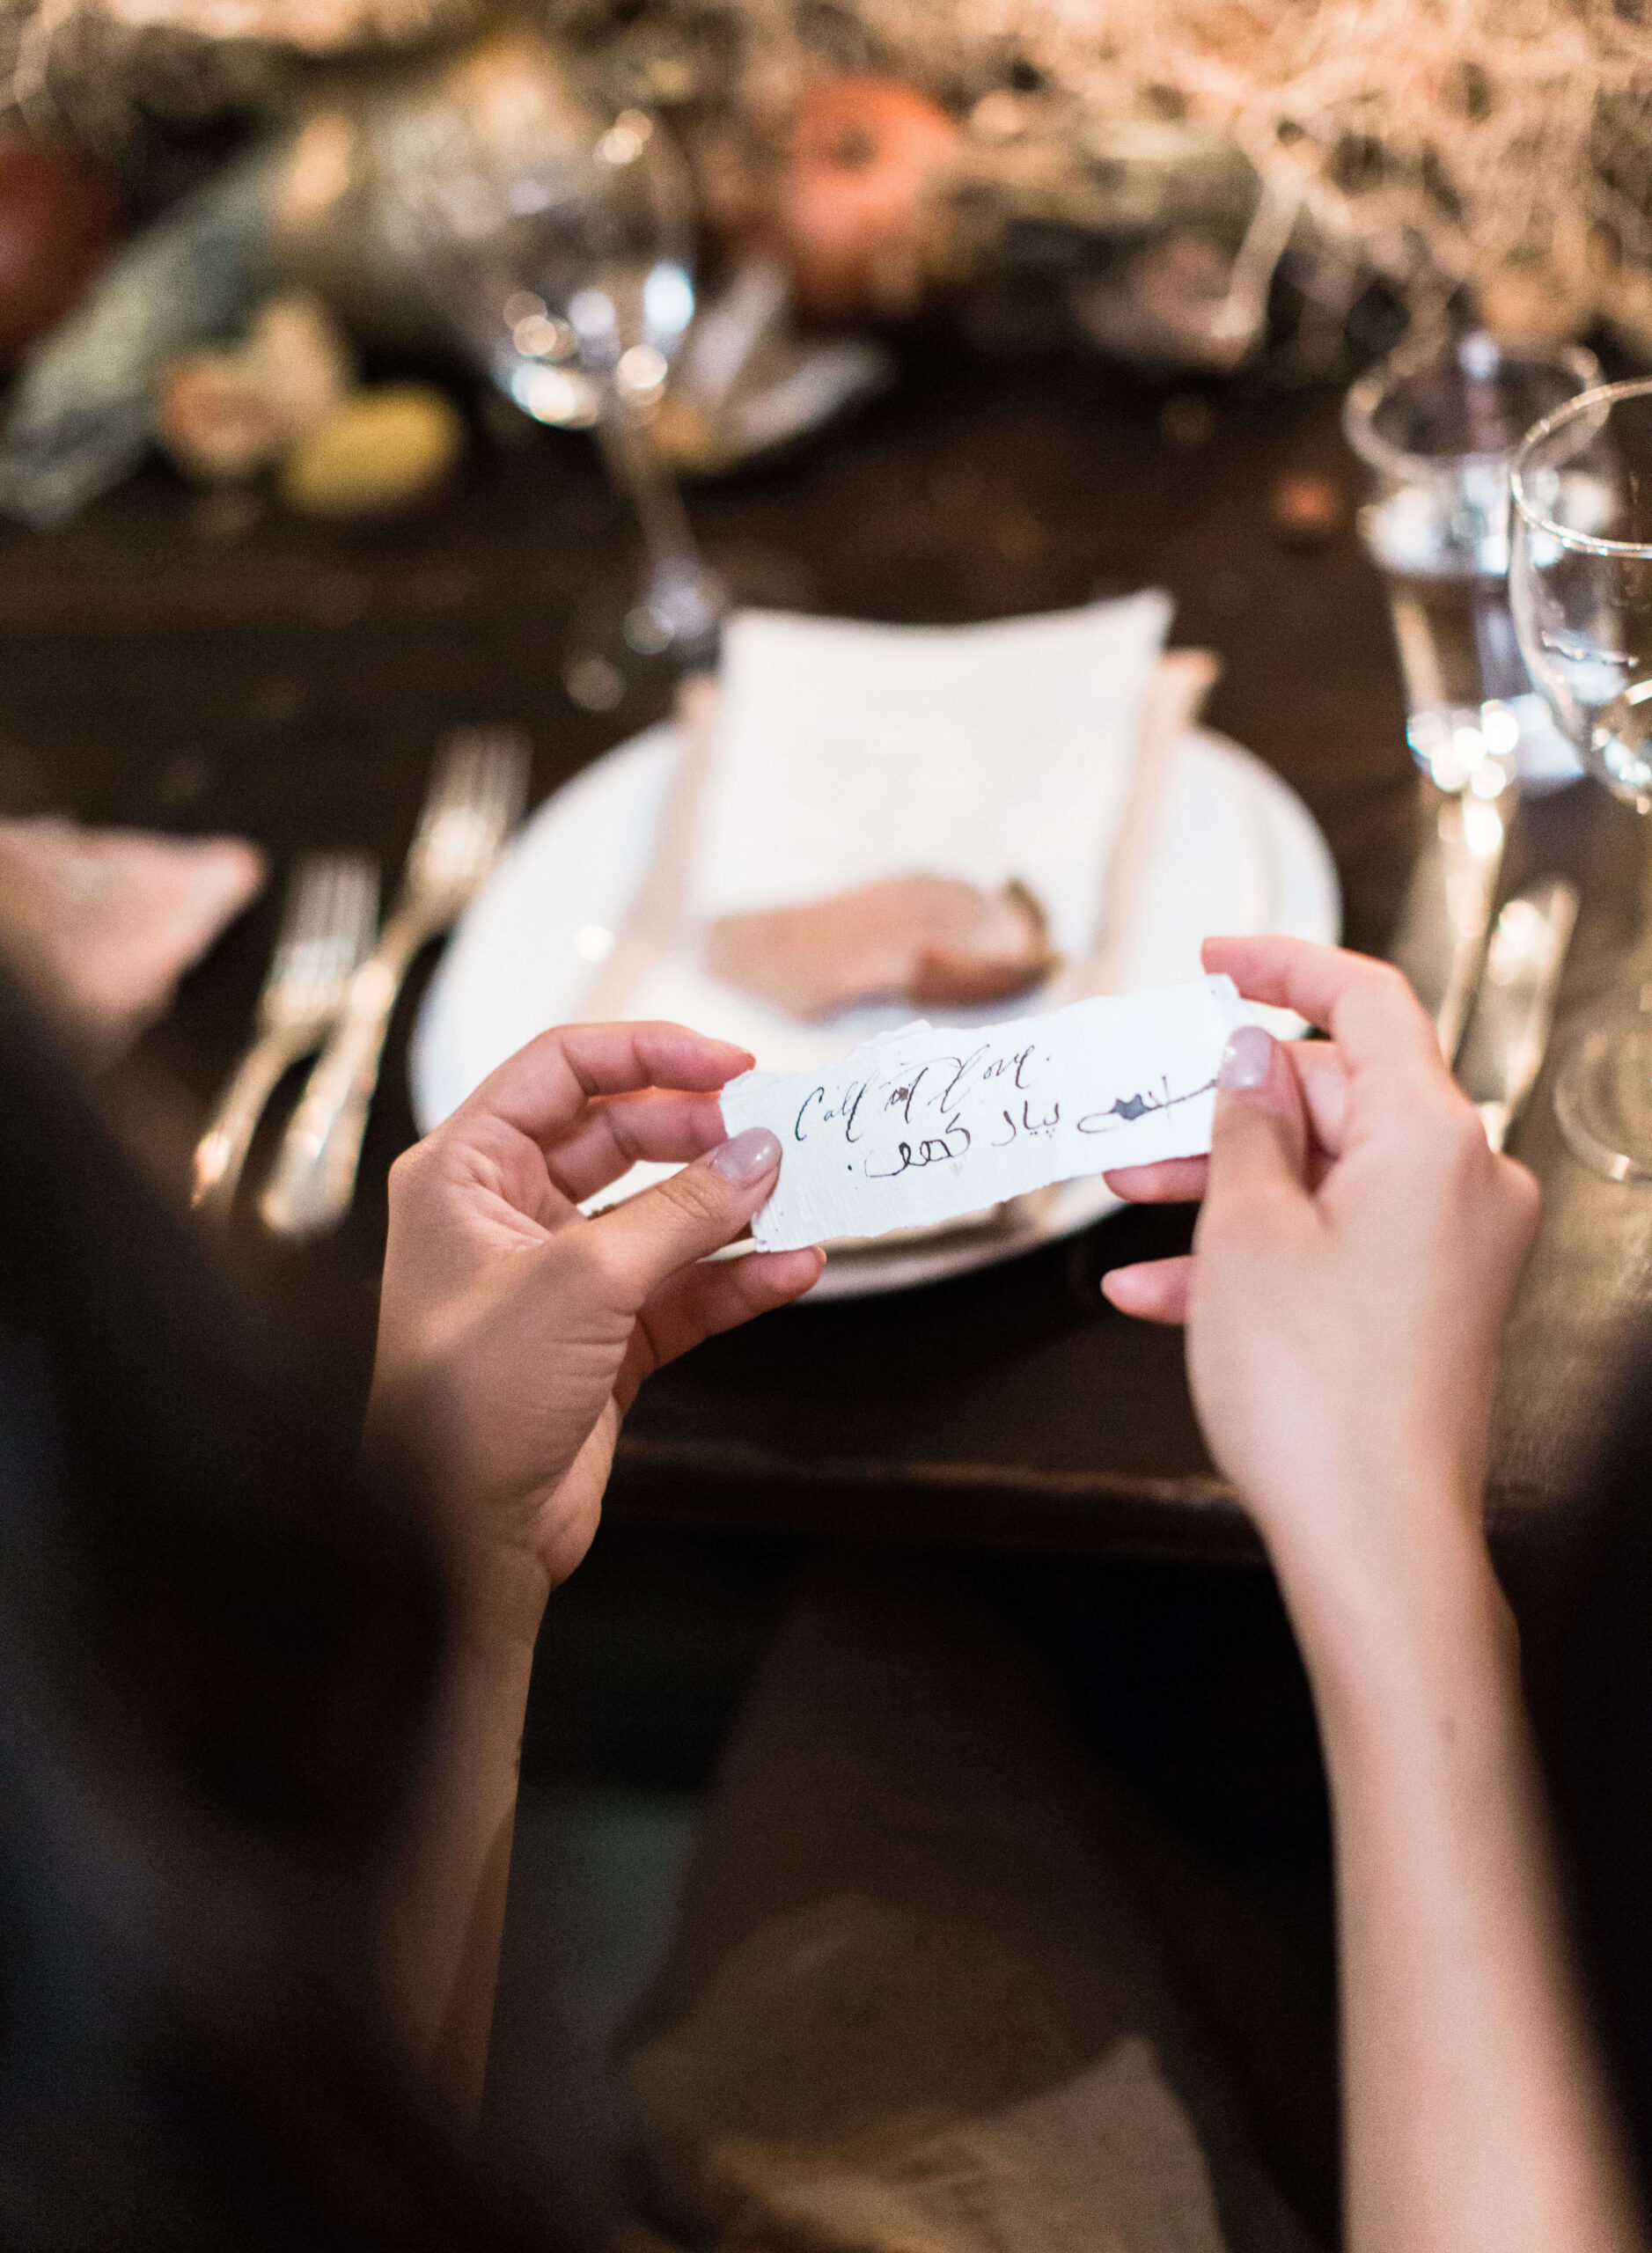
(840, 753)
(847, 753)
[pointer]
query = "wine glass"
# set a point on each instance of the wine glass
(1581, 590)
(564, 256)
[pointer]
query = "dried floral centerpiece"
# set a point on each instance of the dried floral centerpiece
(1149, 169)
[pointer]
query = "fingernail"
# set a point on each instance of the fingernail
(745, 1158)
(1247, 1058)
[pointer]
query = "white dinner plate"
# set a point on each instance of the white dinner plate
(1231, 849)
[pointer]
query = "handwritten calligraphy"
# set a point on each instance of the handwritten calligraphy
(1126, 1109)
(924, 1123)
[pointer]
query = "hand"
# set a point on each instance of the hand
(1355, 1255)
(514, 1333)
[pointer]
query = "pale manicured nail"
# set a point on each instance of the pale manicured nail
(1247, 1058)
(745, 1158)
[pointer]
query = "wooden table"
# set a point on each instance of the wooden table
(164, 665)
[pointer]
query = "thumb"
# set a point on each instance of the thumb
(1259, 1143)
(645, 1240)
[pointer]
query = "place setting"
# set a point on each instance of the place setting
(848, 827)
(1026, 523)
(854, 839)
(854, 834)
(857, 826)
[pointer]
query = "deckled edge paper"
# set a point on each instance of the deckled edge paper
(923, 1124)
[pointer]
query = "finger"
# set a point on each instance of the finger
(1524, 1195)
(713, 1296)
(1152, 1291)
(1324, 1081)
(1323, 1078)
(640, 1244)
(1172, 1181)
(1365, 1006)
(1259, 1144)
(544, 1086)
(613, 1134)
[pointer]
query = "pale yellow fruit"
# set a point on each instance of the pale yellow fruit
(380, 451)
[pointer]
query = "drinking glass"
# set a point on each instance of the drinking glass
(1581, 586)
(566, 264)
(1436, 424)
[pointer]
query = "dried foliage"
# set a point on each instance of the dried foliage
(316, 27)
(1502, 142)
(105, 74)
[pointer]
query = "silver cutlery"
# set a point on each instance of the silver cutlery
(1441, 938)
(1514, 1009)
(327, 926)
(474, 801)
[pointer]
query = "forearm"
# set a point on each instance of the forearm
(445, 1903)
(1475, 2105)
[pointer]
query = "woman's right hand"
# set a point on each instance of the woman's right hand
(1357, 1252)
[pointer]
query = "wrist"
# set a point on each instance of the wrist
(487, 1674)
(497, 1590)
(1378, 1554)
(1406, 1628)
(499, 1602)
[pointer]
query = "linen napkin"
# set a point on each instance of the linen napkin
(102, 923)
(833, 753)
(847, 753)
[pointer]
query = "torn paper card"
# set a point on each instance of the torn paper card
(923, 1125)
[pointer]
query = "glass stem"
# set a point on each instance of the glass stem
(636, 463)
(1637, 970)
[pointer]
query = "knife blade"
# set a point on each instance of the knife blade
(1441, 937)
(1514, 1007)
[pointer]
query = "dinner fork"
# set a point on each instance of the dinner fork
(474, 802)
(327, 926)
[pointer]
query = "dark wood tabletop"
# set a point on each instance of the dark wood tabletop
(170, 661)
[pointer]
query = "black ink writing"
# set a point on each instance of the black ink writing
(1126, 1108)
(1026, 1124)
(930, 1151)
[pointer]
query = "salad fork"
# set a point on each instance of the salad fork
(474, 801)
(327, 926)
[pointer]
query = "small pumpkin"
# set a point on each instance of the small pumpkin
(849, 216)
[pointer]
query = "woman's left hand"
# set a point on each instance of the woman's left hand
(514, 1331)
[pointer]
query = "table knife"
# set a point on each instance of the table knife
(1441, 938)
(1514, 1008)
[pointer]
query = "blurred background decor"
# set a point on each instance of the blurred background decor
(1208, 184)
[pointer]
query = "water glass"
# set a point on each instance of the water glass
(1437, 423)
